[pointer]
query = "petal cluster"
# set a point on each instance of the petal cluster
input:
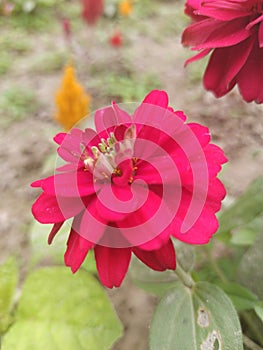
(132, 185)
(232, 32)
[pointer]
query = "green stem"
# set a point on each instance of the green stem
(252, 326)
(250, 344)
(215, 266)
(185, 278)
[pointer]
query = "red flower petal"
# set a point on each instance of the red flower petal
(224, 65)
(59, 138)
(158, 98)
(159, 260)
(112, 264)
(77, 250)
(122, 116)
(202, 230)
(223, 10)
(74, 184)
(209, 33)
(198, 56)
(46, 209)
(260, 35)
(249, 78)
(56, 227)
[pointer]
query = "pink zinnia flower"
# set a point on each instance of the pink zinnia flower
(233, 31)
(92, 10)
(131, 185)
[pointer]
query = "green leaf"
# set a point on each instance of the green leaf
(41, 252)
(8, 284)
(259, 311)
(158, 283)
(245, 208)
(243, 237)
(250, 272)
(61, 311)
(242, 298)
(200, 319)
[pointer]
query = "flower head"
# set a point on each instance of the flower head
(116, 39)
(232, 31)
(131, 185)
(66, 26)
(71, 100)
(92, 10)
(7, 8)
(125, 8)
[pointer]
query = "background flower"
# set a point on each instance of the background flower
(125, 7)
(130, 187)
(92, 10)
(232, 31)
(116, 39)
(71, 100)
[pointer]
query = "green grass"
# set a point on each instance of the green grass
(49, 63)
(124, 88)
(40, 20)
(14, 42)
(5, 63)
(16, 103)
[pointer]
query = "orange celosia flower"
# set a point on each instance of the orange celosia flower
(125, 7)
(71, 100)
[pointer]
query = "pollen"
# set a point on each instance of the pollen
(117, 172)
(131, 179)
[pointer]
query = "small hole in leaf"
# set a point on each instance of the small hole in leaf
(216, 345)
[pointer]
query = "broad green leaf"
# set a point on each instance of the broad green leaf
(158, 283)
(259, 311)
(242, 298)
(245, 208)
(200, 319)
(244, 236)
(250, 272)
(61, 311)
(50, 163)
(8, 284)
(41, 252)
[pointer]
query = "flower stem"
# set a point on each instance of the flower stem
(250, 344)
(184, 277)
(215, 266)
(252, 326)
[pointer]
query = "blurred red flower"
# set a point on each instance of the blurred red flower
(131, 185)
(116, 40)
(92, 10)
(232, 31)
(66, 26)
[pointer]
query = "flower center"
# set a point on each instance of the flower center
(113, 159)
